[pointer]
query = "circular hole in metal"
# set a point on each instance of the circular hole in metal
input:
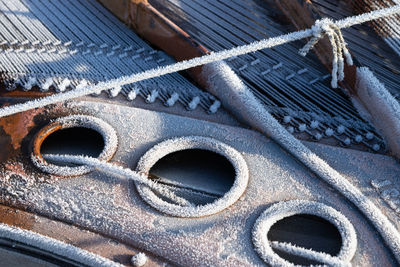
(197, 176)
(73, 135)
(200, 176)
(306, 231)
(73, 141)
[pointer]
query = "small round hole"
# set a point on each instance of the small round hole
(200, 176)
(307, 233)
(73, 141)
(73, 135)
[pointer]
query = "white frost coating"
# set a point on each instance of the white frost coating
(194, 142)
(82, 84)
(110, 144)
(241, 102)
(282, 210)
(198, 61)
(54, 246)
(327, 27)
(152, 96)
(214, 107)
(171, 101)
(133, 94)
(30, 83)
(193, 104)
(46, 85)
(314, 124)
(139, 259)
(329, 132)
(287, 119)
(384, 107)
(115, 91)
(182, 207)
(318, 136)
(340, 129)
(120, 172)
(64, 84)
(347, 141)
(308, 254)
(369, 136)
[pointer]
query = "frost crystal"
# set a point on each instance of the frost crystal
(139, 259)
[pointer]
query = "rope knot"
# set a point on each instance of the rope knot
(339, 47)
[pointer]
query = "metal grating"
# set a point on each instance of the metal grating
(369, 49)
(295, 89)
(61, 44)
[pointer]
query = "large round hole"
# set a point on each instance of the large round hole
(306, 231)
(195, 176)
(73, 141)
(73, 135)
(200, 176)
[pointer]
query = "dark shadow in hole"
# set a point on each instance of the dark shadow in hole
(73, 141)
(307, 231)
(200, 176)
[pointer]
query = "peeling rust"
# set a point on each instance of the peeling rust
(41, 136)
(17, 126)
(17, 131)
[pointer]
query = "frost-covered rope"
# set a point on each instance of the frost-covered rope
(121, 172)
(241, 102)
(58, 248)
(328, 27)
(308, 253)
(198, 61)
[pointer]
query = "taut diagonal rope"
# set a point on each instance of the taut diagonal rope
(198, 61)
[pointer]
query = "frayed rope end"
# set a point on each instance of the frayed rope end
(339, 47)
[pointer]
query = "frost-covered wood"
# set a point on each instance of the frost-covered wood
(382, 106)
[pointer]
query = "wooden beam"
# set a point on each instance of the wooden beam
(303, 14)
(158, 30)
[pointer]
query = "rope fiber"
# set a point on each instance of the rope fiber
(267, 123)
(328, 27)
(198, 61)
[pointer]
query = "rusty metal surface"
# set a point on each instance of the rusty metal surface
(18, 131)
(42, 135)
(157, 29)
(105, 204)
(70, 234)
